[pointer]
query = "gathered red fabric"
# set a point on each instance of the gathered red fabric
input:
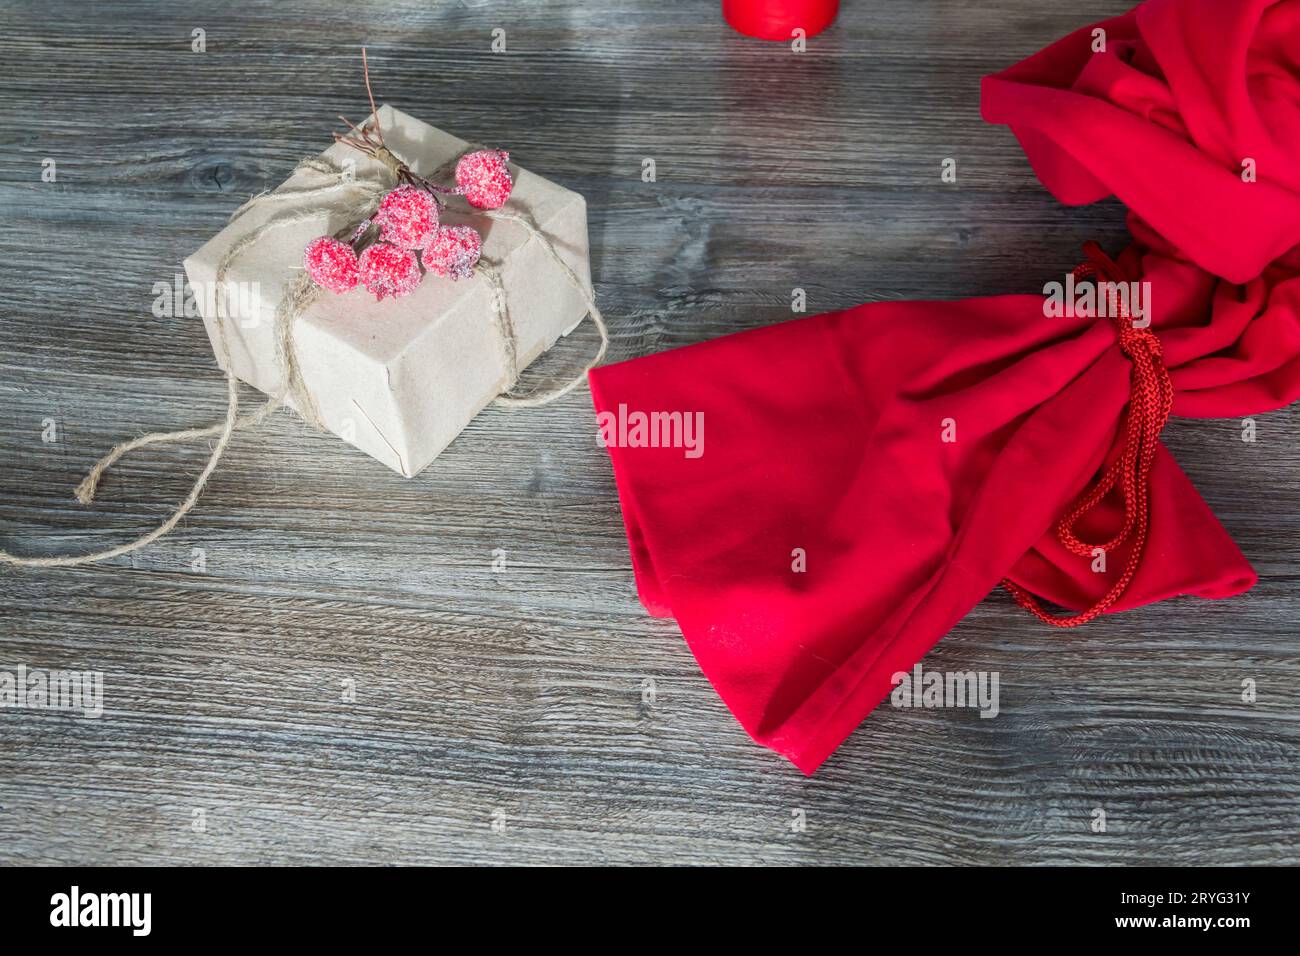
(864, 478)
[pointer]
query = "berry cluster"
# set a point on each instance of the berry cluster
(407, 223)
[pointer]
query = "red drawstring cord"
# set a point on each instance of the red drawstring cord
(1151, 398)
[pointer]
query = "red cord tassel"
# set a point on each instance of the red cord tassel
(1151, 399)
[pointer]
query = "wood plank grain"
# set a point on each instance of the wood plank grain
(528, 693)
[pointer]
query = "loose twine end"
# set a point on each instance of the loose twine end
(85, 492)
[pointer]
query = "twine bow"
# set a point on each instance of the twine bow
(1150, 401)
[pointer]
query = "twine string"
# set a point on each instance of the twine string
(593, 312)
(224, 430)
(506, 332)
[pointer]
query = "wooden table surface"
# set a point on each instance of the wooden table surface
(521, 698)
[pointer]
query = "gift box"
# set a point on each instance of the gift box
(398, 378)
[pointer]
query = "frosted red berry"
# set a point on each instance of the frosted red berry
(387, 270)
(407, 217)
(331, 263)
(483, 178)
(453, 252)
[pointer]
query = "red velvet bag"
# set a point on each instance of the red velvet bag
(868, 476)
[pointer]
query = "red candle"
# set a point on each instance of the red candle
(778, 19)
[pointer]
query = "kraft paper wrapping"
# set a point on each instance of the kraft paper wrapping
(401, 378)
